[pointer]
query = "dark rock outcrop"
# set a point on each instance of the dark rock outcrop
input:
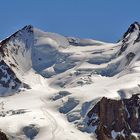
(116, 119)
(8, 78)
(129, 57)
(3, 136)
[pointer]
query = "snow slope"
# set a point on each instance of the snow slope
(66, 76)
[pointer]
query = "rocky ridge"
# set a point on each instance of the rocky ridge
(116, 119)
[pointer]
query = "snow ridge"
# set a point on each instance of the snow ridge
(60, 79)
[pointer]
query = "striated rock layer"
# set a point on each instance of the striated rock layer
(116, 119)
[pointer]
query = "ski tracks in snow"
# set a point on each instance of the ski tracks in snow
(55, 129)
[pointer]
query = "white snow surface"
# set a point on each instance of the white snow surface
(63, 77)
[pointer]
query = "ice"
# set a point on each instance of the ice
(66, 76)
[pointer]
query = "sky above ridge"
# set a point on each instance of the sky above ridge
(104, 20)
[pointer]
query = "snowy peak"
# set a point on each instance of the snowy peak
(131, 40)
(16, 49)
(69, 75)
(135, 27)
(129, 52)
(132, 35)
(27, 28)
(15, 59)
(51, 55)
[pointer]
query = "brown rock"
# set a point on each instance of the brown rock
(118, 115)
(103, 133)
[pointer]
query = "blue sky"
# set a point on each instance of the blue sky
(104, 20)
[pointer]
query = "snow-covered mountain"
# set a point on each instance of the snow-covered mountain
(66, 88)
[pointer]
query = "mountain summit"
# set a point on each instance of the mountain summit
(135, 27)
(56, 88)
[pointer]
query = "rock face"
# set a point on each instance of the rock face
(14, 61)
(16, 50)
(8, 78)
(3, 136)
(132, 35)
(116, 119)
